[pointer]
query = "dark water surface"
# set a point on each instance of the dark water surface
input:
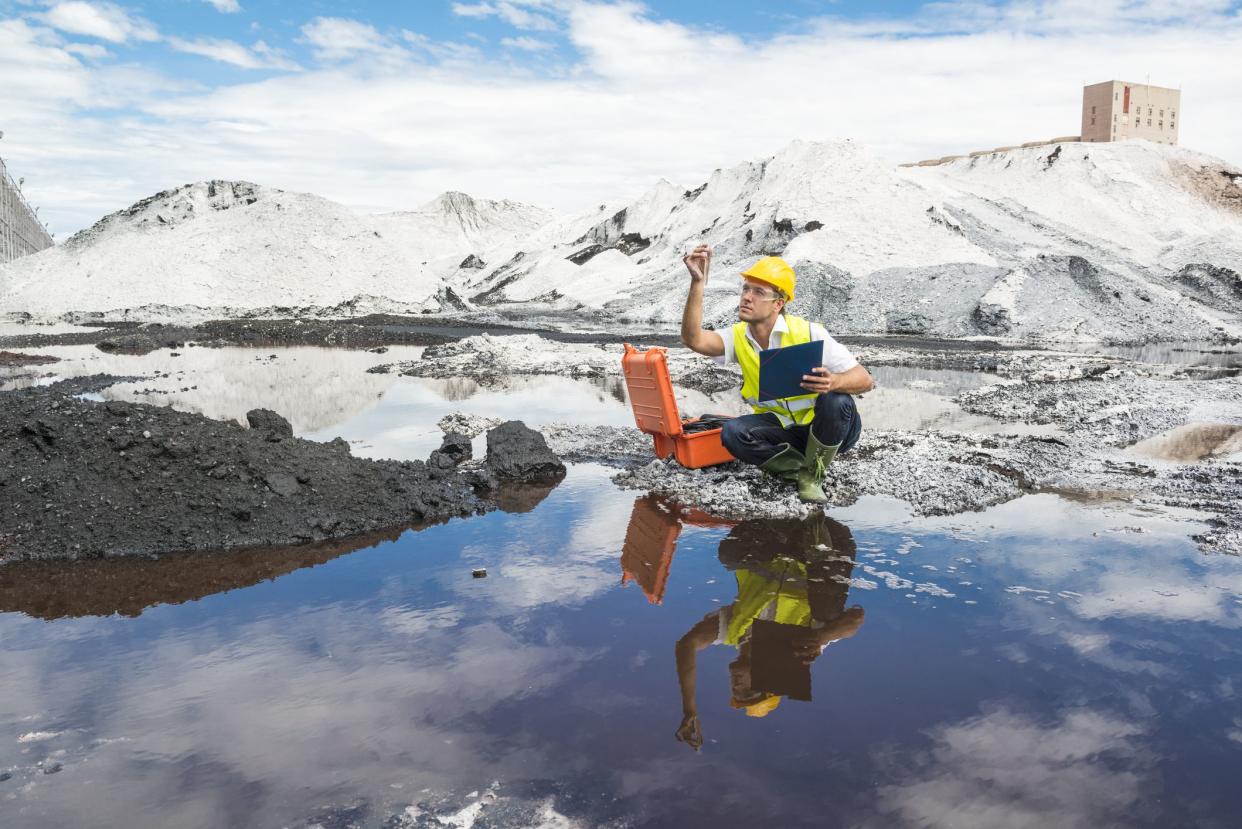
(1042, 663)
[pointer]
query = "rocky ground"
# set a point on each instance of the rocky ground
(81, 479)
(88, 479)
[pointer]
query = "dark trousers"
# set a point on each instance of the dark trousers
(755, 438)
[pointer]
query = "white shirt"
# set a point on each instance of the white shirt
(837, 358)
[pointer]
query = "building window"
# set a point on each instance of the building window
(1162, 113)
(1172, 113)
(1149, 122)
(1116, 96)
(1161, 124)
(1093, 111)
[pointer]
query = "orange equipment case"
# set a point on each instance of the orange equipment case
(655, 412)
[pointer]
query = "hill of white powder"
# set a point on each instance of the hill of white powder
(221, 248)
(1127, 241)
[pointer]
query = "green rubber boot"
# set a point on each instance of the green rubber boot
(811, 475)
(785, 464)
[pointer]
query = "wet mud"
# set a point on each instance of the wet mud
(12, 358)
(81, 479)
(353, 332)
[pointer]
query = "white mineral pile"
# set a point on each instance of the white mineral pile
(455, 231)
(1127, 241)
(231, 248)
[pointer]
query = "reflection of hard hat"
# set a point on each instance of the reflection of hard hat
(761, 708)
(776, 272)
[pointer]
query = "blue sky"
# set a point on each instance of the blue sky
(566, 103)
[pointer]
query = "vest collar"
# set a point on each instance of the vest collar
(781, 327)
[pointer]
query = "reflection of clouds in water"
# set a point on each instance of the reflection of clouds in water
(1197, 594)
(1006, 769)
(311, 387)
(536, 566)
(1087, 552)
(403, 423)
(305, 705)
(414, 621)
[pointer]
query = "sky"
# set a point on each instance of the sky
(562, 103)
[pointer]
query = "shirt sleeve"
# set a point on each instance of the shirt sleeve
(837, 358)
(728, 358)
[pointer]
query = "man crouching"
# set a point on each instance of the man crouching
(794, 438)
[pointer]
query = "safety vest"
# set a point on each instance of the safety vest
(801, 408)
(776, 591)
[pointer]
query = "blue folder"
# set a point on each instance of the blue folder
(781, 369)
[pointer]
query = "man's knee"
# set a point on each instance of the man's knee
(732, 434)
(835, 406)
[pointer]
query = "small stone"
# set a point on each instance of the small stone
(479, 572)
(4, 775)
(282, 483)
(269, 421)
(146, 434)
(52, 769)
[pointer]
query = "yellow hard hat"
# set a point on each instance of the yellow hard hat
(776, 272)
(761, 708)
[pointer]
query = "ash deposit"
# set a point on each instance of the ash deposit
(1121, 242)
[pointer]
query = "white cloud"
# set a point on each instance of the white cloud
(516, 14)
(88, 50)
(105, 21)
(392, 118)
(339, 38)
(225, 6)
(260, 56)
(527, 44)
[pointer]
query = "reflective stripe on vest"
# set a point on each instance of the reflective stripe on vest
(782, 583)
(799, 409)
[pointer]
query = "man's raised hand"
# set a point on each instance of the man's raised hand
(699, 263)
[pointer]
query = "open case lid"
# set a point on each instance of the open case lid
(651, 391)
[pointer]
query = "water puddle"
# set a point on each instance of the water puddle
(921, 399)
(1063, 659)
(1191, 353)
(1040, 661)
(1192, 442)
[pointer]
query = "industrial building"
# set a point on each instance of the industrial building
(21, 232)
(1119, 110)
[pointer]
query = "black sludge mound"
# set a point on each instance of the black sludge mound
(80, 479)
(515, 452)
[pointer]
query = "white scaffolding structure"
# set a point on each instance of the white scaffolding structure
(21, 232)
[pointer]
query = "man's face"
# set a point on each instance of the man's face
(759, 301)
(739, 681)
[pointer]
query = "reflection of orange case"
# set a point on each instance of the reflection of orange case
(651, 540)
(655, 412)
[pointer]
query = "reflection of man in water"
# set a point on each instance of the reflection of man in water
(788, 571)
